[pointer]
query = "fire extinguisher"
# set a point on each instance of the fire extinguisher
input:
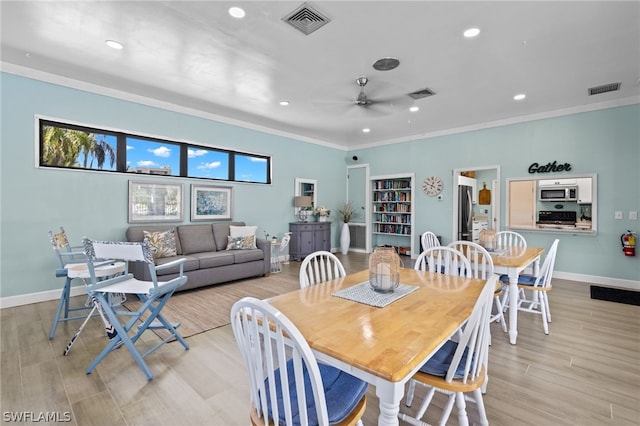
(628, 241)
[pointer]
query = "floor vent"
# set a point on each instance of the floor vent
(611, 87)
(419, 94)
(306, 19)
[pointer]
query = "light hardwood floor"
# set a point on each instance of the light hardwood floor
(585, 372)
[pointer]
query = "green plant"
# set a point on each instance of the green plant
(347, 212)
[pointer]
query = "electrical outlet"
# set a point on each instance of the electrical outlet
(633, 215)
(618, 215)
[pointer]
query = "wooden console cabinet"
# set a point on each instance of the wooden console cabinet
(308, 237)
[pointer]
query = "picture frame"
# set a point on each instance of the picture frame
(211, 202)
(155, 202)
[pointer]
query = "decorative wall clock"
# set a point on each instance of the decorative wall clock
(432, 186)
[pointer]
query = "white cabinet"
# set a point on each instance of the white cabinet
(478, 226)
(585, 190)
(551, 182)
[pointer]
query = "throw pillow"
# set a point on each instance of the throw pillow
(242, 231)
(163, 244)
(241, 243)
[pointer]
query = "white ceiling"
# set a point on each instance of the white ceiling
(193, 55)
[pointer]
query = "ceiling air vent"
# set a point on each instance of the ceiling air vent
(419, 94)
(306, 19)
(611, 87)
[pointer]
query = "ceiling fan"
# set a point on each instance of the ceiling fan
(370, 102)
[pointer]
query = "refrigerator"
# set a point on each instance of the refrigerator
(465, 212)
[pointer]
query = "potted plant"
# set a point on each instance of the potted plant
(346, 213)
(323, 213)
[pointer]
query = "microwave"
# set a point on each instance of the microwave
(558, 193)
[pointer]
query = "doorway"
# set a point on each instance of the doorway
(358, 194)
(486, 178)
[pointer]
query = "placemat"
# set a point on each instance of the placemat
(363, 293)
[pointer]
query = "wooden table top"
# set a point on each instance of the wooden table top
(387, 342)
(516, 257)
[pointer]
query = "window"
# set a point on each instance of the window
(152, 157)
(64, 145)
(207, 163)
(75, 147)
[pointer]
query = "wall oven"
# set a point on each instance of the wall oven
(558, 193)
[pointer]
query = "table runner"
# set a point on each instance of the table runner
(363, 293)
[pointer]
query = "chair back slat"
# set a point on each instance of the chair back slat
(510, 239)
(277, 356)
(429, 240)
(319, 267)
(546, 270)
(479, 258)
(475, 336)
(446, 260)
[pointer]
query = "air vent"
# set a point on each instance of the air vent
(306, 19)
(611, 87)
(419, 94)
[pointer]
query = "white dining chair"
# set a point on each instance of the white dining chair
(428, 240)
(534, 290)
(482, 268)
(319, 267)
(459, 366)
(287, 385)
(510, 239)
(443, 259)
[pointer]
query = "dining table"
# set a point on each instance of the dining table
(512, 261)
(383, 343)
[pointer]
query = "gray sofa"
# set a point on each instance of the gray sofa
(208, 260)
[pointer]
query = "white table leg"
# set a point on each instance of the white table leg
(390, 394)
(513, 306)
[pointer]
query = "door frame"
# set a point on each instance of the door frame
(495, 196)
(367, 200)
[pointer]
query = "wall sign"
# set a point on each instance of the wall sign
(550, 167)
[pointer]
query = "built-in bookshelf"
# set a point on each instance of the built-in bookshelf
(392, 211)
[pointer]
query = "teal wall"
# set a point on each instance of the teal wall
(34, 201)
(606, 142)
(94, 204)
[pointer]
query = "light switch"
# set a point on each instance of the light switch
(633, 215)
(618, 215)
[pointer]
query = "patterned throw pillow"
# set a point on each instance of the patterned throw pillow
(241, 243)
(163, 244)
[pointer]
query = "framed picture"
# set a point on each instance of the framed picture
(155, 202)
(210, 202)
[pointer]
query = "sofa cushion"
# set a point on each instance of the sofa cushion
(214, 259)
(221, 232)
(136, 233)
(191, 264)
(241, 243)
(196, 238)
(163, 244)
(242, 231)
(242, 256)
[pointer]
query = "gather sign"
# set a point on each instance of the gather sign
(549, 167)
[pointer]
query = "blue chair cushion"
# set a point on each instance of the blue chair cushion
(342, 393)
(523, 279)
(439, 363)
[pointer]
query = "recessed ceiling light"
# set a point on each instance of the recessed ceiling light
(471, 32)
(366, 130)
(114, 44)
(519, 97)
(284, 103)
(414, 109)
(236, 12)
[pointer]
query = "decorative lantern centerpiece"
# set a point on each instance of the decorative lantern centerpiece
(488, 239)
(384, 269)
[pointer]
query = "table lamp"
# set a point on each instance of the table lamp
(303, 203)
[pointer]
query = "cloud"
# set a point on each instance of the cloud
(212, 165)
(162, 151)
(130, 147)
(258, 160)
(193, 153)
(146, 163)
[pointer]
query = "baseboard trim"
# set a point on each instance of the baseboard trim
(43, 296)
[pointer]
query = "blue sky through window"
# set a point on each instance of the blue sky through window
(251, 169)
(203, 163)
(143, 154)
